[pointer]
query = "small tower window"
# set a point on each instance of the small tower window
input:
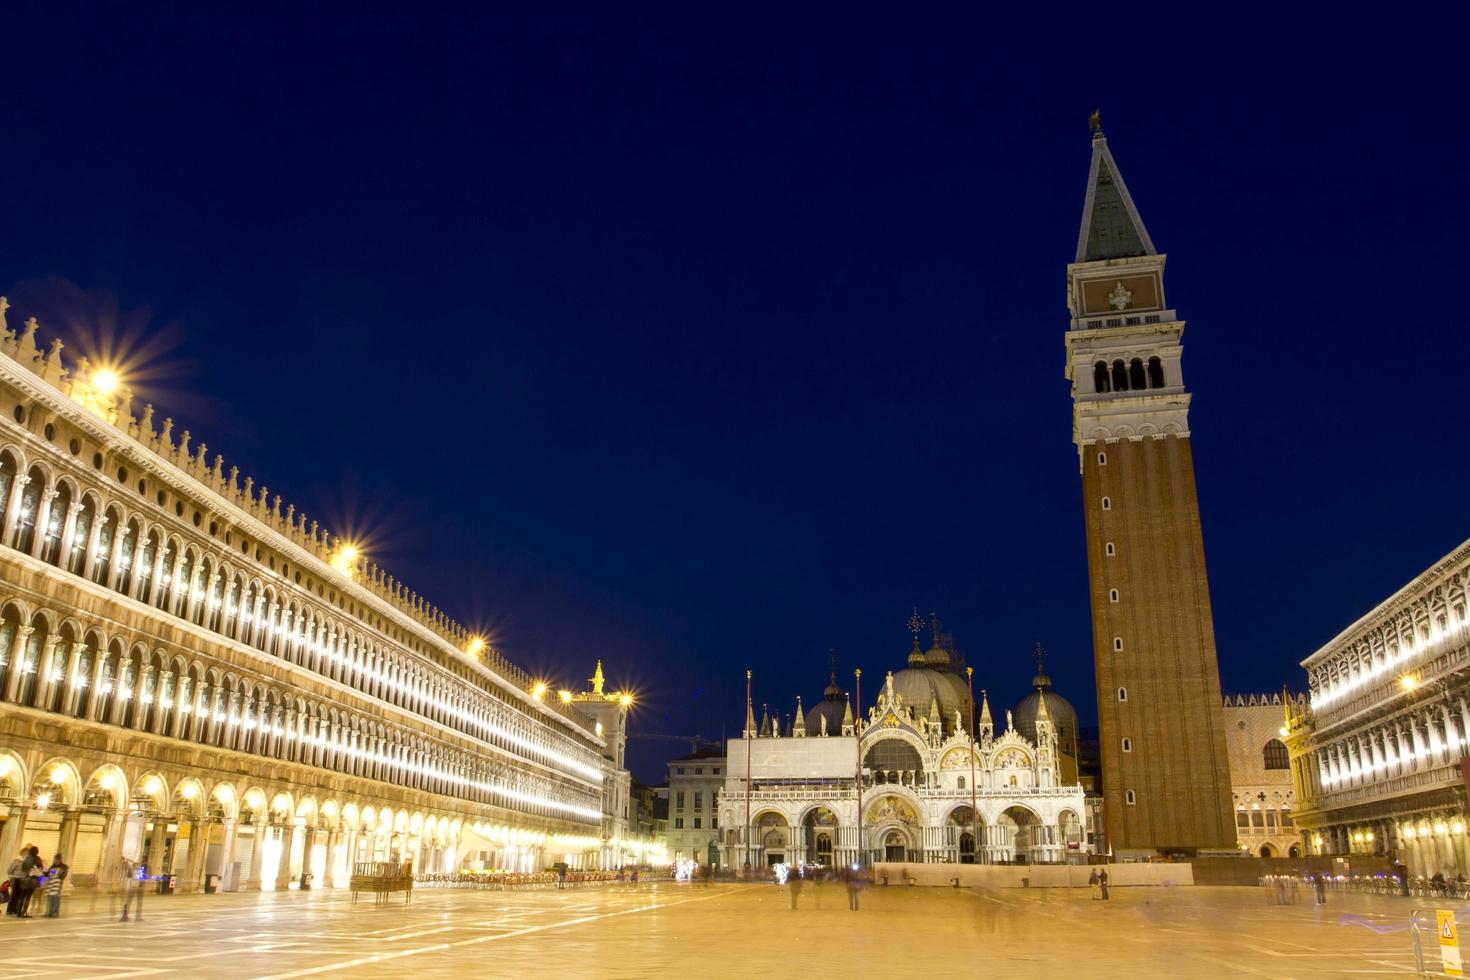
(1122, 694)
(1120, 376)
(1107, 503)
(1102, 459)
(1136, 379)
(1109, 550)
(1129, 798)
(1155, 373)
(1118, 643)
(1112, 595)
(1127, 745)
(1100, 378)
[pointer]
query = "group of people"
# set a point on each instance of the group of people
(29, 874)
(1098, 882)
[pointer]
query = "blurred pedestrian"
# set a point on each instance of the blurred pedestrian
(55, 878)
(854, 883)
(793, 885)
(1320, 883)
(1102, 883)
(16, 875)
(32, 869)
(1092, 882)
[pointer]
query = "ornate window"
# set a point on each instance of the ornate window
(1275, 755)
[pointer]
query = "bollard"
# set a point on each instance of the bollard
(956, 882)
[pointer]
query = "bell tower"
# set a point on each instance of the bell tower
(1166, 780)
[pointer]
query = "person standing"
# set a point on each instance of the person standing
(793, 885)
(1321, 885)
(16, 874)
(1102, 884)
(853, 884)
(32, 869)
(55, 878)
(1092, 883)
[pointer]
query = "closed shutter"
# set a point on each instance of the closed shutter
(244, 848)
(90, 839)
(181, 856)
(46, 839)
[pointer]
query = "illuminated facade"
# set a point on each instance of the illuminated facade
(193, 675)
(1260, 775)
(1377, 756)
(929, 792)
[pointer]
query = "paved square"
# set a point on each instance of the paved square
(723, 931)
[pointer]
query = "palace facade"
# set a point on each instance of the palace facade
(906, 781)
(195, 676)
(1379, 755)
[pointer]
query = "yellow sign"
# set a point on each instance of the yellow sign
(1449, 943)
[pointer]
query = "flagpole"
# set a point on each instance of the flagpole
(857, 723)
(748, 735)
(974, 816)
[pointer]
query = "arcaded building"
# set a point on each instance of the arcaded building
(1378, 754)
(195, 675)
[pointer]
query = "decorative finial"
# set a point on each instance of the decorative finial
(934, 627)
(915, 625)
(1094, 121)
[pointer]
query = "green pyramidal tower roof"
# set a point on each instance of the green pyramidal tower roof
(1111, 227)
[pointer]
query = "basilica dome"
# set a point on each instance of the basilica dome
(832, 707)
(919, 685)
(1063, 715)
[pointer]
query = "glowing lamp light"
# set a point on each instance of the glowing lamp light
(1441, 828)
(105, 381)
(1457, 827)
(1408, 683)
(58, 776)
(43, 800)
(107, 781)
(190, 791)
(625, 699)
(151, 785)
(476, 646)
(4, 766)
(564, 696)
(1284, 731)
(539, 691)
(1408, 833)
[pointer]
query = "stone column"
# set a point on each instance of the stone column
(15, 828)
(193, 872)
(89, 560)
(157, 842)
(17, 494)
(66, 844)
(17, 658)
(227, 852)
(43, 518)
(46, 665)
(283, 869)
(111, 849)
(70, 692)
(68, 533)
(257, 853)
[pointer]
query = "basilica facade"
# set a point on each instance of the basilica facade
(194, 676)
(908, 780)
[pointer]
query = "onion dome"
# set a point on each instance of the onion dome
(830, 708)
(1063, 716)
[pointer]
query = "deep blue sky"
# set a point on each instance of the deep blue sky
(701, 342)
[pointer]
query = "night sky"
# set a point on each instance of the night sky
(704, 342)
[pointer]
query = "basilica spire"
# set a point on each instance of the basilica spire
(1111, 226)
